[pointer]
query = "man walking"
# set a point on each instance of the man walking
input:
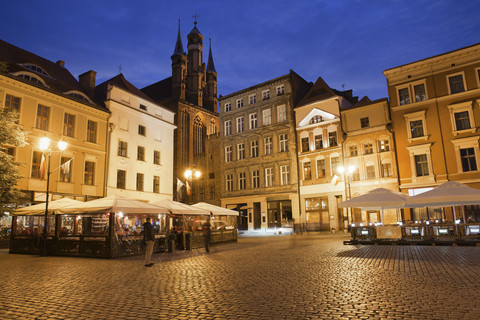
(149, 239)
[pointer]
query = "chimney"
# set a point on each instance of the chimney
(87, 81)
(61, 63)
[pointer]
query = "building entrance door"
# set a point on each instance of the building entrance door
(257, 215)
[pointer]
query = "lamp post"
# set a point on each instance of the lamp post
(347, 175)
(47, 150)
(189, 175)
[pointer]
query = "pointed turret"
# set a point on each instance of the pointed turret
(195, 68)
(210, 64)
(179, 68)
(211, 89)
(179, 46)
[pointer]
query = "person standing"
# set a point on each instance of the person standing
(207, 233)
(149, 239)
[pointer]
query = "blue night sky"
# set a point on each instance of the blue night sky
(345, 42)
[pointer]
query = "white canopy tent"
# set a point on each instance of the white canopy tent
(38, 209)
(113, 204)
(215, 210)
(181, 208)
(448, 194)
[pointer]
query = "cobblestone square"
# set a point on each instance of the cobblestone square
(282, 277)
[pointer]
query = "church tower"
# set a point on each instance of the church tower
(195, 67)
(211, 90)
(179, 68)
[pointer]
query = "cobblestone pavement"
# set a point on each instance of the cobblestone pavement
(283, 277)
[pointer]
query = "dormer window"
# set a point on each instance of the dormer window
(316, 119)
(31, 77)
(35, 68)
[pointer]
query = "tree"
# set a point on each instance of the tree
(12, 134)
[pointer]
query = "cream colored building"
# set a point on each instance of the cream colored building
(53, 104)
(435, 112)
(369, 149)
(140, 143)
(258, 148)
(319, 140)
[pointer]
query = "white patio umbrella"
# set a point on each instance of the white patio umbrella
(39, 209)
(113, 204)
(448, 194)
(181, 208)
(377, 199)
(216, 210)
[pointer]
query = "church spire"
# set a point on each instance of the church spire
(178, 46)
(210, 64)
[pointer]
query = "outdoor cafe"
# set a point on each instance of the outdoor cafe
(447, 214)
(111, 227)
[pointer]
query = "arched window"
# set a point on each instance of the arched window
(316, 119)
(35, 68)
(198, 134)
(31, 77)
(185, 133)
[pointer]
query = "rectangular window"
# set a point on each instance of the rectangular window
(281, 114)
(469, 162)
(228, 153)
(462, 120)
(36, 162)
(92, 131)
(121, 179)
(416, 128)
(283, 140)
(284, 175)
(353, 151)
(43, 114)
(335, 161)
(255, 179)
(10, 151)
(242, 181)
(140, 177)
(12, 102)
(421, 165)
(228, 127)
(252, 99)
(212, 193)
(307, 170)
(239, 103)
(142, 130)
(280, 90)
(318, 142)
(156, 157)
(68, 125)
(321, 168)
(365, 122)
(241, 151)
(141, 153)
(266, 94)
(387, 170)
(267, 117)
(156, 184)
(65, 169)
(143, 107)
(305, 145)
(404, 96)
(122, 148)
(268, 177)
(253, 121)
(229, 182)
(240, 127)
(456, 84)
(368, 148)
(370, 170)
(254, 149)
(268, 145)
(419, 92)
(384, 145)
(89, 175)
(228, 107)
(332, 139)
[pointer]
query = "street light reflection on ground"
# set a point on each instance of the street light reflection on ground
(47, 151)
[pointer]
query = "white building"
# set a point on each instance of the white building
(140, 143)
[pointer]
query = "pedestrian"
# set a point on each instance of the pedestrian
(149, 239)
(207, 233)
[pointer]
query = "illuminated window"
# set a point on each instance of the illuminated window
(321, 168)
(316, 119)
(335, 162)
(89, 175)
(66, 170)
(332, 139)
(307, 170)
(268, 177)
(384, 145)
(318, 142)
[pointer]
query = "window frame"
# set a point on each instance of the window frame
(466, 143)
(239, 103)
(89, 176)
(462, 107)
(269, 178)
(228, 153)
(140, 153)
(284, 175)
(267, 116)
(464, 82)
(252, 99)
(268, 143)
(121, 184)
(253, 121)
(69, 125)
(415, 116)
(254, 145)
(228, 107)
(42, 120)
(122, 150)
(240, 124)
(241, 151)
(227, 126)
(92, 131)
(157, 157)
(410, 87)
(140, 182)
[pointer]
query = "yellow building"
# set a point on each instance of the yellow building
(53, 104)
(435, 112)
(369, 152)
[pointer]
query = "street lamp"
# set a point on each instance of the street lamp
(189, 175)
(348, 174)
(47, 150)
